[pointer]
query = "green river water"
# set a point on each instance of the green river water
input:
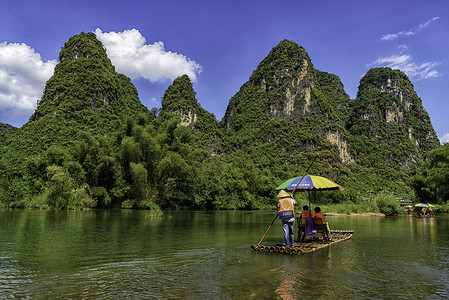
(108, 254)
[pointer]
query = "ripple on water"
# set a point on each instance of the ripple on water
(126, 257)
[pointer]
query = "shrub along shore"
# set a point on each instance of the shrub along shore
(380, 205)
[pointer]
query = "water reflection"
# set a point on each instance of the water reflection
(190, 255)
(288, 278)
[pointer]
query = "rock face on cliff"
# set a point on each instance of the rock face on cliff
(90, 128)
(289, 104)
(179, 100)
(388, 121)
(291, 109)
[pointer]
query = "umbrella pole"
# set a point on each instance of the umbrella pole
(267, 229)
(310, 207)
(305, 173)
(292, 195)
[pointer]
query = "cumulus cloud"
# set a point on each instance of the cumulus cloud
(23, 75)
(393, 36)
(405, 63)
(131, 56)
(444, 138)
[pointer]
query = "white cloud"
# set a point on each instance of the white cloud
(131, 56)
(444, 138)
(402, 48)
(405, 63)
(389, 37)
(393, 36)
(23, 75)
(427, 24)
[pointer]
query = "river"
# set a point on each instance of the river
(109, 254)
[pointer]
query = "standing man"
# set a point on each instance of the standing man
(287, 215)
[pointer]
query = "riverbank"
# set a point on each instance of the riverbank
(371, 214)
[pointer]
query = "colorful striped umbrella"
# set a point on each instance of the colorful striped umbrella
(310, 183)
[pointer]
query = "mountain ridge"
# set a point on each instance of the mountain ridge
(91, 130)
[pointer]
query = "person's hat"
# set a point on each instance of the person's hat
(283, 194)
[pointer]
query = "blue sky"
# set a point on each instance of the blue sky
(219, 44)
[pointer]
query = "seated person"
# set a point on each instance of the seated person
(302, 223)
(422, 213)
(320, 225)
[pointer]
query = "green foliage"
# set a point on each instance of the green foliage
(389, 128)
(431, 181)
(139, 181)
(387, 204)
(180, 95)
(100, 196)
(179, 102)
(382, 92)
(81, 199)
(13, 188)
(442, 209)
(4, 130)
(60, 186)
(91, 143)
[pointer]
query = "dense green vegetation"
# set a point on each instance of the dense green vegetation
(4, 130)
(431, 181)
(149, 165)
(179, 100)
(92, 144)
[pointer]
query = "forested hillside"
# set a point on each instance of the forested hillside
(179, 101)
(91, 143)
(283, 112)
(5, 129)
(389, 128)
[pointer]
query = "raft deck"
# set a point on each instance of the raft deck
(300, 248)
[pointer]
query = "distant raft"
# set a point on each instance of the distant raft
(336, 236)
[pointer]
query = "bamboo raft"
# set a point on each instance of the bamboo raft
(336, 236)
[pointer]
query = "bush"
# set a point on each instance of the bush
(37, 201)
(100, 196)
(128, 204)
(387, 205)
(153, 208)
(82, 199)
(442, 209)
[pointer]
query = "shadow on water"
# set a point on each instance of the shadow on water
(189, 255)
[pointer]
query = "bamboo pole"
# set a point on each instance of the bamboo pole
(267, 229)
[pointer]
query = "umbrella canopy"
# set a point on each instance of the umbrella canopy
(408, 206)
(421, 205)
(310, 183)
